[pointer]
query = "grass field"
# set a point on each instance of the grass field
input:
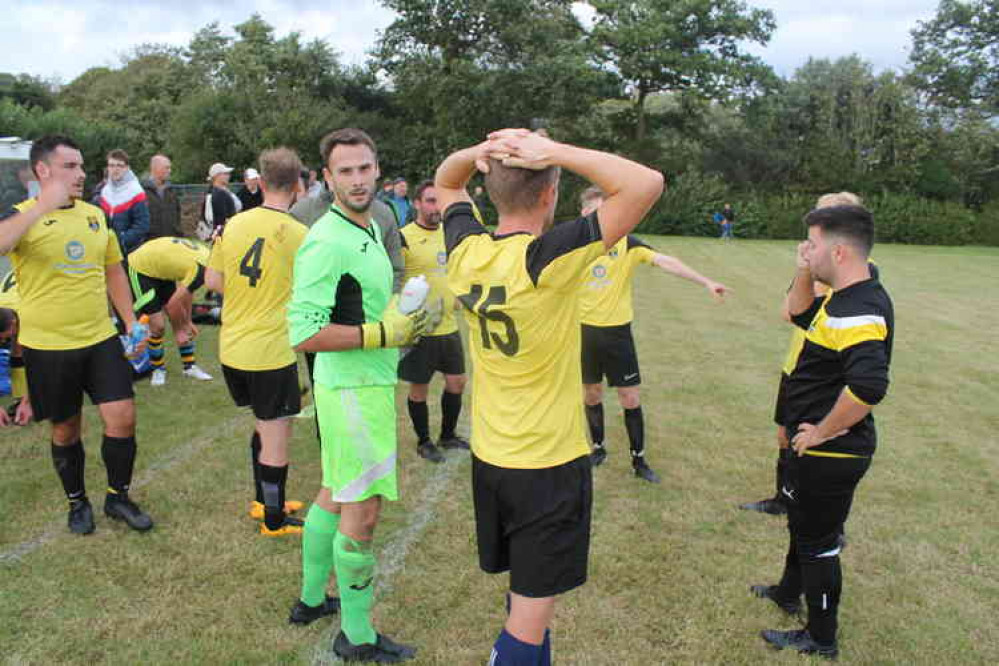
(670, 565)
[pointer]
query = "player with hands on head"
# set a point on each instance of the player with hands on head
(520, 287)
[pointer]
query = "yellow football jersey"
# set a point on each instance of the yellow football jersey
(606, 297)
(9, 296)
(424, 254)
(171, 259)
(256, 254)
(59, 267)
(521, 295)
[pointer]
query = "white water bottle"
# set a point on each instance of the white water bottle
(414, 294)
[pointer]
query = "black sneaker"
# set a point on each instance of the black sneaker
(383, 651)
(789, 606)
(454, 442)
(118, 506)
(800, 640)
(81, 516)
(598, 456)
(643, 471)
(303, 614)
(771, 505)
(430, 452)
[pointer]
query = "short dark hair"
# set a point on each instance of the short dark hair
(854, 224)
(349, 136)
(421, 188)
(7, 317)
(118, 154)
(45, 146)
(280, 169)
(514, 190)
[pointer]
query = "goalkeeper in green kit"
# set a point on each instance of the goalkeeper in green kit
(341, 310)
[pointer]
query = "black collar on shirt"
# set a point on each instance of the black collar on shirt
(343, 216)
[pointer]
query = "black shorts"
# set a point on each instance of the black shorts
(534, 523)
(160, 291)
(781, 407)
(273, 394)
(610, 351)
(57, 379)
(436, 353)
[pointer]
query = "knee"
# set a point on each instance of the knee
(593, 394)
(454, 383)
(120, 421)
(418, 392)
(66, 433)
(630, 397)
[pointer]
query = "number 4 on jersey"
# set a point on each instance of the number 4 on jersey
(249, 265)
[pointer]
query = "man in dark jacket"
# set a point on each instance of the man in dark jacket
(164, 205)
(251, 195)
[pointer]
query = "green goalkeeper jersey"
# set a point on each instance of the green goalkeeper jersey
(343, 275)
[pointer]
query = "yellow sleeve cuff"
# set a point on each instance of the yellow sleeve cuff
(18, 382)
(854, 397)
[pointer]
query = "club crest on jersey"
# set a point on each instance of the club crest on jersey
(93, 223)
(74, 250)
(613, 253)
(599, 271)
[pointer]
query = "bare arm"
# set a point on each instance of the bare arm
(214, 280)
(455, 171)
(801, 296)
(680, 269)
(120, 293)
(14, 227)
(333, 337)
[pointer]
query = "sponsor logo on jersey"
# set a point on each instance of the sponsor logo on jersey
(49, 223)
(442, 258)
(75, 250)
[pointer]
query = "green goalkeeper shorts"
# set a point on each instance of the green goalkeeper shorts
(358, 439)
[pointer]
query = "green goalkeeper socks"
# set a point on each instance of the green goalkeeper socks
(317, 553)
(355, 572)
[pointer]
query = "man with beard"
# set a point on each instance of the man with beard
(343, 311)
(439, 350)
(841, 372)
(124, 202)
(67, 263)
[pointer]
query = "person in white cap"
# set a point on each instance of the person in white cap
(251, 195)
(220, 204)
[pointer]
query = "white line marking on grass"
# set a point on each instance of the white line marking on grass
(176, 457)
(392, 556)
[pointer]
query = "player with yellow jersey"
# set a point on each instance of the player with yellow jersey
(19, 412)
(608, 345)
(251, 264)
(165, 272)
(67, 263)
(531, 477)
(438, 350)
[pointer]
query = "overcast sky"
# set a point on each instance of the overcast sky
(59, 38)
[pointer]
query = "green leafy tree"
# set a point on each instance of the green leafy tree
(679, 45)
(27, 90)
(955, 55)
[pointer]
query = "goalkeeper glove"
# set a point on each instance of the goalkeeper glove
(395, 329)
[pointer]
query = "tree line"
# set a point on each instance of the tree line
(667, 82)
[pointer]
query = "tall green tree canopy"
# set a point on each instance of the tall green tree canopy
(955, 55)
(679, 45)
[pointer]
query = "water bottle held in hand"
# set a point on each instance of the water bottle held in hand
(140, 331)
(414, 294)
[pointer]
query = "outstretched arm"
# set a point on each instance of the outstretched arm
(680, 269)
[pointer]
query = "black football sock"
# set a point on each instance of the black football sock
(420, 416)
(635, 424)
(255, 461)
(450, 411)
(119, 459)
(69, 463)
(823, 584)
(272, 482)
(595, 419)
